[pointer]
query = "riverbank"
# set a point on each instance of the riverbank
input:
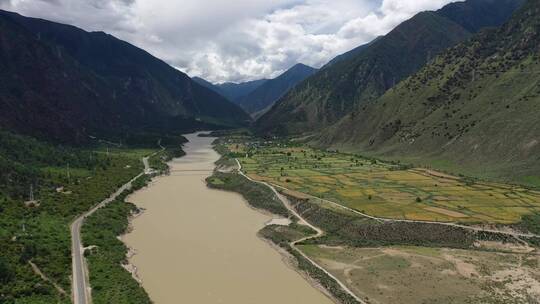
(281, 237)
(111, 277)
(278, 232)
(109, 280)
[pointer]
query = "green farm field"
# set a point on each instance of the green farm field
(386, 190)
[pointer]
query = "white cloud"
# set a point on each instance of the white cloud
(233, 40)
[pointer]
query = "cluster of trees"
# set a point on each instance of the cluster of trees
(24, 160)
(257, 195)
(151, 140)
(531, 223)
(345, 229)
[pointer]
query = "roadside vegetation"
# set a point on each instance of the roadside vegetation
(159, 161)
(531, 222)
(110, 281)
(346, 228)
(107, 257)
(65, 182)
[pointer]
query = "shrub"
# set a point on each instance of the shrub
(6, 272)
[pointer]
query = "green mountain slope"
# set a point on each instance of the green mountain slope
(60, 82)
(268, 93)
(335, 91)
(475, 15)
(475, 107)
(350, 54)
(207, 84)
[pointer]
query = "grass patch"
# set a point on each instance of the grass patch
(257, 195)
(411, 274)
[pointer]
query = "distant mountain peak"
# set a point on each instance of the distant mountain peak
(231, 90)
(268, 93)
(300, 66)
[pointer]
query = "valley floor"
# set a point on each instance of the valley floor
(394, 233)
(418, 235)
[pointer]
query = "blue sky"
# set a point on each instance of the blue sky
(233, 40)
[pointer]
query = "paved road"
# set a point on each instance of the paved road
(82, 293)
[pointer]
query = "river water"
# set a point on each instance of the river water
(197, 245)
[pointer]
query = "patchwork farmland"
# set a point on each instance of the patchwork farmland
(386, 190)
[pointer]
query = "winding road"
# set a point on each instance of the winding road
(81, 290)
(320, 232)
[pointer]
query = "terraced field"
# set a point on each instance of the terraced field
(385, 190)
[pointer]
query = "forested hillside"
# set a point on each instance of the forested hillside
(60, 82)
(337, 90)
(263, 97)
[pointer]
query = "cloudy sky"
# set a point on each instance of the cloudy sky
(233, 40)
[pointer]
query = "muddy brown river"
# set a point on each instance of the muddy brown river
(198, 245)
